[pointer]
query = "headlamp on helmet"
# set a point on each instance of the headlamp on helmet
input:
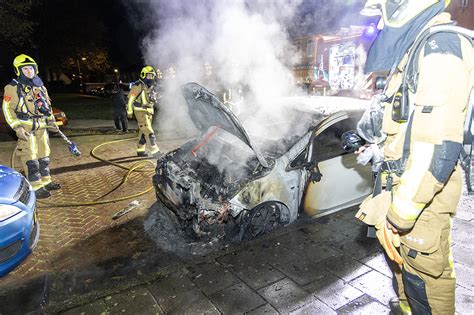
(24, 60)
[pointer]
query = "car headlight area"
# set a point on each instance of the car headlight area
(8, 211)
(19, 227)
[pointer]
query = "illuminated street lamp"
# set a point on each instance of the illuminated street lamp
(80, 73)
(117, 74)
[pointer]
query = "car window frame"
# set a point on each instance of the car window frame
(322, 126)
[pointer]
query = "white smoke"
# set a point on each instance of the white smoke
(246, 42)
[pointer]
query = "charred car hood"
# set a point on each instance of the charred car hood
(206, 111)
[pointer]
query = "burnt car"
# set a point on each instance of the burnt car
(236, 184)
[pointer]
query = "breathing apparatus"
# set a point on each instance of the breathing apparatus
(42, 105)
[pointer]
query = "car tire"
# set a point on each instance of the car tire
(263, 219)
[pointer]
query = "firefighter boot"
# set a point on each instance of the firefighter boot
(154, 150)
(141, 146)
(53, 186)
(398, 307)
(42, 193)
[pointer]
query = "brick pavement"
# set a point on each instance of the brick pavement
(325, 267)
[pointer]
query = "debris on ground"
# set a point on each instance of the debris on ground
(131, 206)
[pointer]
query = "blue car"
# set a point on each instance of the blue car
(19, 228)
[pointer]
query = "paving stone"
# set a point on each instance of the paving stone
(285, 295)
(461, 214)
(345, 267)
(266, 309)
(358, 246)
(332, 290)
(214, 280)
(190, 302)
(171, 285)
(315, 307)
(462, 233)
(199, 269)
(377, 261)
(463, 255)
(464, 276)
(242, 258)
(464, 300)
(336, 223)
(136, 301)
(294, 239)
(258, 276)
(363, 305)
(323, 235)
(97, 307)
(238, 298)
(277, 255)
(301, 271)
(318, 252)
(350, 216)
(375, 284)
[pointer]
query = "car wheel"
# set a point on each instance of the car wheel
(263, 219)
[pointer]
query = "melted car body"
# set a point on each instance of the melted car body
(234, 184)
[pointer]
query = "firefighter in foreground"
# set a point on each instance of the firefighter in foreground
(27, 109)
(424, 110)
(141, 101)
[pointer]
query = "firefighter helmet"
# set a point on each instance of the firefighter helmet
(24, 60)
(147, 70)
(396, 13)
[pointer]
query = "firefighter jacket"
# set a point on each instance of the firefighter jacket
(139, 98)
(25, 106)
(435, 127)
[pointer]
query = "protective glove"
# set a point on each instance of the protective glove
(316, 177)
(129, 115)
(390, 241)
(21, 133)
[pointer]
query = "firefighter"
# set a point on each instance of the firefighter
(27, 109)
(425, 103)
(141, 103)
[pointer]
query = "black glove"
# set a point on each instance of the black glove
(315, 176)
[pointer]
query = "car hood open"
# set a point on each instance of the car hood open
(206, 111)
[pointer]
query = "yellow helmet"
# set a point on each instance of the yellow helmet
(396, 13)
(147, 70)
(24, 60)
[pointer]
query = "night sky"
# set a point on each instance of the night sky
(68, 29)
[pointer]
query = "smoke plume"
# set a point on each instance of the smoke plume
(247, 44)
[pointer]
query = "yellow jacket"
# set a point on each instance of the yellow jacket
(446, 72)
(19, 106)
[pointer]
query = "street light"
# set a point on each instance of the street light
(80, 73)
(117, 74)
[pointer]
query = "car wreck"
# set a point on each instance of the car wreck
(231, 183)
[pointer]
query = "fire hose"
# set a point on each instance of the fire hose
(136, 167)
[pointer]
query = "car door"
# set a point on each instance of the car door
(344, 182)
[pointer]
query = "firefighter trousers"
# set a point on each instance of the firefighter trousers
(34, 154)
(146, 134)
(428, 272)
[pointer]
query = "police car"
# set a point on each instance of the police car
(19, 227)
